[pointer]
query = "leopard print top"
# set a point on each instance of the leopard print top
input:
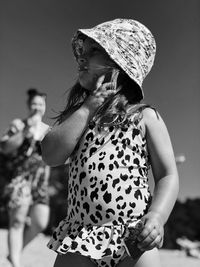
(108, 189)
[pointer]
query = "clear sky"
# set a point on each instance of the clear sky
(35, 51)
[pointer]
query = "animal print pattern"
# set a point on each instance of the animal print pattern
(108, 190)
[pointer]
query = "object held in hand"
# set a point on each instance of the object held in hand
(130, 240)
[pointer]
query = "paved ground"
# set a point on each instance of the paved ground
(38, 255)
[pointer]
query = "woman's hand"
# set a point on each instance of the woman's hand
(17, 125)
(152, 233)
(33, 119)
(13, 138)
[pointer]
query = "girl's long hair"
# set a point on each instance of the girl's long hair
(115, 109)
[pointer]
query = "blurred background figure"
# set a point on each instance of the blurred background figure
(25, 177)
(180, 159)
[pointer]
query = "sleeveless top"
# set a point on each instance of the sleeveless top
(107, 189)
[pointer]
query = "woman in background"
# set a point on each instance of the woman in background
(26, 176)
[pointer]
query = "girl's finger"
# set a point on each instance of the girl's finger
(149, 238)
(148, 228)
(109, 85)
(160, 244)
(115, 74)
(105, 87)
(103, 91)
(99, 82)
(156, 243)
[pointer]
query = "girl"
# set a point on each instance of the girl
(26, 177)
(111, 139)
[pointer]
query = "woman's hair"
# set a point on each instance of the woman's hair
(116, 108)
(32, 92)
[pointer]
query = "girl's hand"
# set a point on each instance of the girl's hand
(152, 233)
(100, 94)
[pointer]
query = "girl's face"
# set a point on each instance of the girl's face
(93, 62)
(38, 105)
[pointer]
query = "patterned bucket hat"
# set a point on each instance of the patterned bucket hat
(128, 42)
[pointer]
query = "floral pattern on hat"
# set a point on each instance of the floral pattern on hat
(128, 42)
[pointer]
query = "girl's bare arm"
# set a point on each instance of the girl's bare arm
(166, 179)
(59, 143)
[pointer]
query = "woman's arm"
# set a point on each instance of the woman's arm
(165, 176)
(13, 138)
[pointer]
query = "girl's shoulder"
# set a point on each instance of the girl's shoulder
(152, 122)
(148, 115)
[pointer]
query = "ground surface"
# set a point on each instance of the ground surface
(38, 255)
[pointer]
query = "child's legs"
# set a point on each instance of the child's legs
(148, 259)
(17, 219)
(73, 259)
(39, 214)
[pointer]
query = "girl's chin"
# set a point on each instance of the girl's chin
(86, 84)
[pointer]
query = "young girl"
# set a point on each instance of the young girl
(26, 177)
(111, 140)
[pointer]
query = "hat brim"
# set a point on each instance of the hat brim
(88, 33)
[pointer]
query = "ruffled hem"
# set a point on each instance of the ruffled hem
(95, 242)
